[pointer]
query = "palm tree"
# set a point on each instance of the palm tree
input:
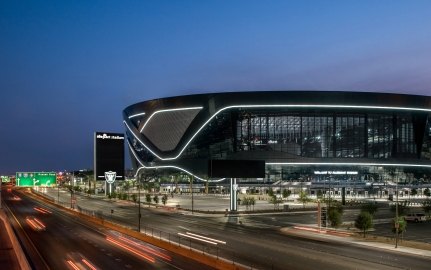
(126, 187)
(303, 197)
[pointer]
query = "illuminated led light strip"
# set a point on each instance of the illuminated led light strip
(272, 106)
(196, 238)
(207, 238)
(135, 115)
(168, 110)
(351, 164)
(151, 151)
(74, 266)
(178, 168)
(148, 258)
(89, 264)
(165, 167)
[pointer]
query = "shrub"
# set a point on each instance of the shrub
(364, 222)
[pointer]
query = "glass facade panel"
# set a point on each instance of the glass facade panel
(294, 134)
(380, 135)
(349, 136)
(405, 136)
(426, 146)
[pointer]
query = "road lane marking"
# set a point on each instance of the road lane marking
(207, 238)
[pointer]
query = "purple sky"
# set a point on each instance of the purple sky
(69, 68)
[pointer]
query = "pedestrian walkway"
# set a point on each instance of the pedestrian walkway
(347, 237)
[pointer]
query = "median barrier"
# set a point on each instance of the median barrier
(20, 255)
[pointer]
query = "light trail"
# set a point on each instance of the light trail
(42, 210)
(73, 265)
(89, 264)
(42, 226)
(207, 238)
(197, 238)
(147, 249)
(32, 223)
(134, 251)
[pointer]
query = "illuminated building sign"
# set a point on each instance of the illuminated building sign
(109, 156)
(336, 172)
(110, 136)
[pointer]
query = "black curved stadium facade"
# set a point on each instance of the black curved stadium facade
(348, 135)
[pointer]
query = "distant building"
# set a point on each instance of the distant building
(344, 137)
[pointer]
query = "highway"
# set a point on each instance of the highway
(258, 241)
(54, 239)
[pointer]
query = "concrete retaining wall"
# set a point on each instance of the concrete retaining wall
(22, 260)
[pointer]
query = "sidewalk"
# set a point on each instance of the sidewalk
(347, 237)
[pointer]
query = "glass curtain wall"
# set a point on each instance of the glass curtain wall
(304, 134)
(320, 135)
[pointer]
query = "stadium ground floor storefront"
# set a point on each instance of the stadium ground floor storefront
(324, 180)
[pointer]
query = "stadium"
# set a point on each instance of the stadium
(364, 142)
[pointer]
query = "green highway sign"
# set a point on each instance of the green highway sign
(26, 179)
(46, 178)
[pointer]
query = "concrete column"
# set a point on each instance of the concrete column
(233, 195)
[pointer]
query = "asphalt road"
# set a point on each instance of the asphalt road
(66, 238)
(258, 242)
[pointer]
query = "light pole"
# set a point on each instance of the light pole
(71, 190)
(58, 193)
(191, 190)
(71, 198)
(397, 224)
(139, 206)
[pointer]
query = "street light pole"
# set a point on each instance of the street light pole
(71, 198)
(139, 206)
(71, 190)
(397, 224)
(58, 192)
(191, 189)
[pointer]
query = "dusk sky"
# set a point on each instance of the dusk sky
(69, 68)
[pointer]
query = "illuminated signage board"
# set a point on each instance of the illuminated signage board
(109, 156)
(29, 179)
(5, 179)
(336, 172)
